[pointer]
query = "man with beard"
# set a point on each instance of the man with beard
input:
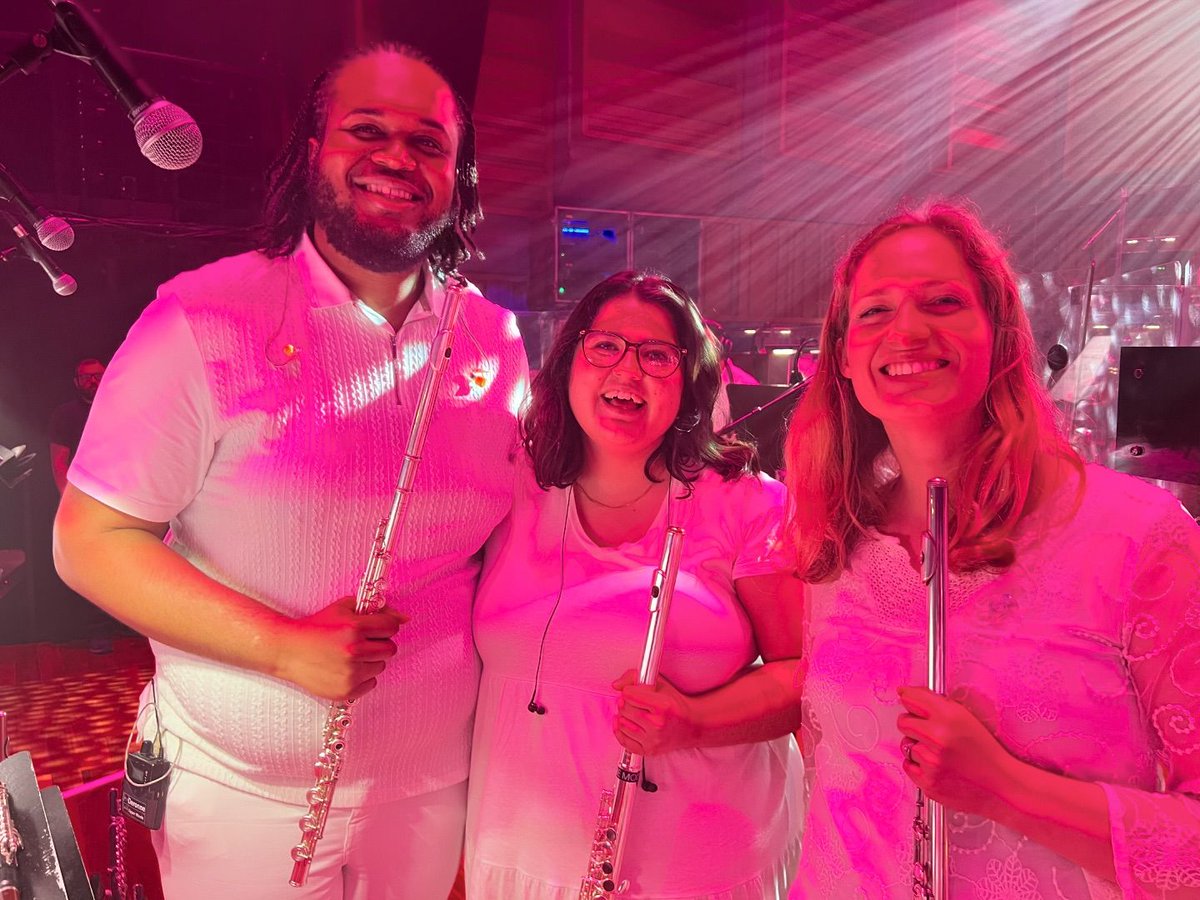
(257, 415)
(67, 420)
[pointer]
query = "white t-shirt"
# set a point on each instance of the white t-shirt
(725, 820)
(263, 412)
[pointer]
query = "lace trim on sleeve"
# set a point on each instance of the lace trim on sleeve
(1156, 835)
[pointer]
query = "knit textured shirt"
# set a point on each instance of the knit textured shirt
(263, 412)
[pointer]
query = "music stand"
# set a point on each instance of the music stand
(48, 867)
(15, 465)
(1158, 426)
(760, 413)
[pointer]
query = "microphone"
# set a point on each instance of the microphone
(64, 284)
(54, 232)
(166, 135)
(1056, 358)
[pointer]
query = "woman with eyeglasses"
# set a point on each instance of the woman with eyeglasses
(619, 445)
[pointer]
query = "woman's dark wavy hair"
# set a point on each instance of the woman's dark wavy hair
(287, 211)
(551, 434)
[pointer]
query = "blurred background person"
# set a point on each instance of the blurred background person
(67, 420)
(731, 373)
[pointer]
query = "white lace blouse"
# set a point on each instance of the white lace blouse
(1083, 658)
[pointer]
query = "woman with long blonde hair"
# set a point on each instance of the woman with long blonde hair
(1067, 747)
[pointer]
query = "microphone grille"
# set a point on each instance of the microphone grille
(55, 233)
(167, 136)
(1057, 357)
(64, 285)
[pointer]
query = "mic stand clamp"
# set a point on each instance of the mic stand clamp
(28, 57)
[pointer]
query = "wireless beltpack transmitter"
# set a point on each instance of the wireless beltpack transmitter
(144, 791)
(147, 775)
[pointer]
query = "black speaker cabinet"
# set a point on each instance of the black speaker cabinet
(1158, 413)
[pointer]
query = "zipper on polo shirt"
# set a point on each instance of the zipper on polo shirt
(396, 365)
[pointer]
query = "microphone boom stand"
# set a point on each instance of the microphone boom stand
(794, 390)
(1119, 214)
(1086, 313)
(27, 57)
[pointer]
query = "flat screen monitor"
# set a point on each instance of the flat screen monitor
(1158, 413)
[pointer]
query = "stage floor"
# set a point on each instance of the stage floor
(71, 707)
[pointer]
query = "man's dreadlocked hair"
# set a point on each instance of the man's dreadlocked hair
(287, 211)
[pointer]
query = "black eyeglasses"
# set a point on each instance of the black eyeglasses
(603, 349)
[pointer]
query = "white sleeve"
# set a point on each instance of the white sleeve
(1156, 834)
(150, 435)
(758, 519)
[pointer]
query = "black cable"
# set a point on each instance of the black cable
(534, 706)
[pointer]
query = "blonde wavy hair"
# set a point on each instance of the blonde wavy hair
(835, 448)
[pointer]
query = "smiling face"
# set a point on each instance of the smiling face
(621, 410)
(918, 341)
(383, 175)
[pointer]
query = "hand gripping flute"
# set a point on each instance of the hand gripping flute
(931, 853)
(371, 596)
(612, 826)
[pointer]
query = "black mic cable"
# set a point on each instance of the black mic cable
(535, 706)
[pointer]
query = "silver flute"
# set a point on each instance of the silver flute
(371, 595)
(931, 847)
(603, 878)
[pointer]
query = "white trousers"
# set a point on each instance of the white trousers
(219, 842)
